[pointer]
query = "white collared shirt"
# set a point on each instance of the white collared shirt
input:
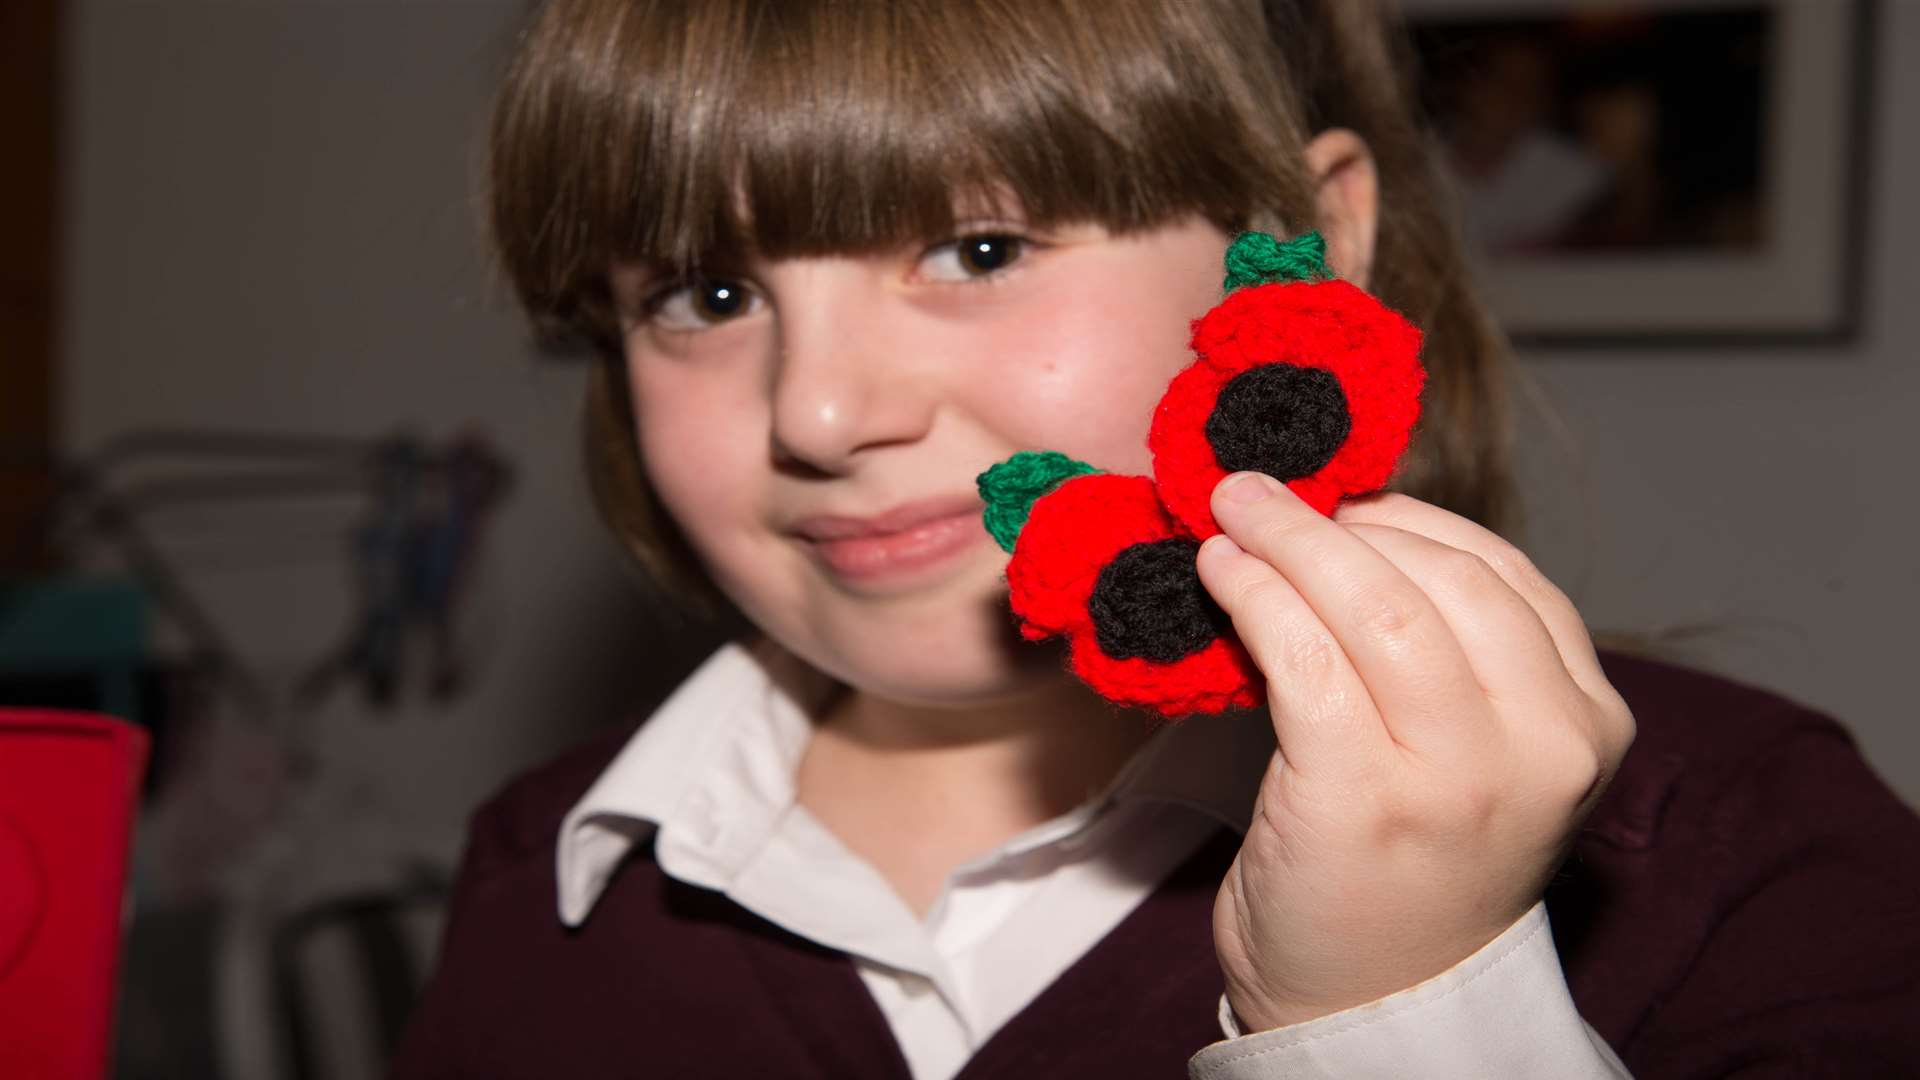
(713, 772)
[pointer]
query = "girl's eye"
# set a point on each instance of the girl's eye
(700, 303)
(972, 257)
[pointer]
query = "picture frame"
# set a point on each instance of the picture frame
(1657, 172)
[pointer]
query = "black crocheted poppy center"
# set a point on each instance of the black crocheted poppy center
(1149, 603)
(1280, 419)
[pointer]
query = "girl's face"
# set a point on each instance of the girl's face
(774, 396)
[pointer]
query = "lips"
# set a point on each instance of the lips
(908, 538)
(900, 519)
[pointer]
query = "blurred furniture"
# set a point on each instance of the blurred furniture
(69, 788)
(346, 973)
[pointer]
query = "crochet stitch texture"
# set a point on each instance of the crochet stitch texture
(1296, 374)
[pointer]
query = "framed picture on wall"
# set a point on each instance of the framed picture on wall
(1656, 171)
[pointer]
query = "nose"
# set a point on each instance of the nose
(847, 380)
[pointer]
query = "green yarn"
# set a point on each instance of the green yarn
(1256, 258)
(1011, 488)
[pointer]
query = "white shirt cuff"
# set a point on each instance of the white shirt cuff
(1505, 1011)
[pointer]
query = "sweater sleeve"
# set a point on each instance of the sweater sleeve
(1808, 956)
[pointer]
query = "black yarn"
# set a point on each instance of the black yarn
(1148, 602)
(1280, 419)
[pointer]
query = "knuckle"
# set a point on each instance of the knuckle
(1387, 613)
(1586, 774)
(1465, 573)
(1520, 569)
(1615, 714)
(1474, 807)
(1290, 642)
(1578, 771)
(1506, 556)
(1310, 653)
(1396, 816)
(1617, 729)
(1626, 730)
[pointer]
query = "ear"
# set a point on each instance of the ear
(1347, 200)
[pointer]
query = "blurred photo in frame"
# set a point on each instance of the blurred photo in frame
(1656, 171)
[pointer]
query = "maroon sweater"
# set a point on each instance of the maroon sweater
(1745, 901)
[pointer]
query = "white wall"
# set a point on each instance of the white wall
(1768, 493)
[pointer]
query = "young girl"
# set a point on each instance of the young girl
(836, 259)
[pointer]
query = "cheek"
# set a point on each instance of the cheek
(697, 437)
(1084, 380)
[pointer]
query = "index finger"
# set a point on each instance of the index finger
(1413, 666)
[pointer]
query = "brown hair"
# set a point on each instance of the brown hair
(664, 131)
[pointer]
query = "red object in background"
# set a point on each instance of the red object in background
(69, 792)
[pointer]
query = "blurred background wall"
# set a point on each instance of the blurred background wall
(269, 226)
(266, 223)
(1756, 505)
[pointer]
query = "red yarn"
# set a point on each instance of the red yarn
(1330, 325)
(1073, 532)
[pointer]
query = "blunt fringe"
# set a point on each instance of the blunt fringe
(670, 132)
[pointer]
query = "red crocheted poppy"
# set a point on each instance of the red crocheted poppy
(1304, 378)
(1316, 384)
(1099, 562)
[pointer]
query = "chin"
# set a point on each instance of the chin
(970, 657)
(961, 679)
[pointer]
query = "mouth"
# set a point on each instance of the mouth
(900, 543)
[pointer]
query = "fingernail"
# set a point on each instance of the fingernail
(1248, 487)
(1221, 543)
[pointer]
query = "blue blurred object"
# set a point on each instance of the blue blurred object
(412, 557)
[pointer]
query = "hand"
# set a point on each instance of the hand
(1444, 727)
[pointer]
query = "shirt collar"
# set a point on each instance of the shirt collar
(714, 765)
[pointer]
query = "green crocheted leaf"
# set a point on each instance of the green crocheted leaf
(1257, 258)
(1014, 485)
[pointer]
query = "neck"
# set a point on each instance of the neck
(918, 789)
